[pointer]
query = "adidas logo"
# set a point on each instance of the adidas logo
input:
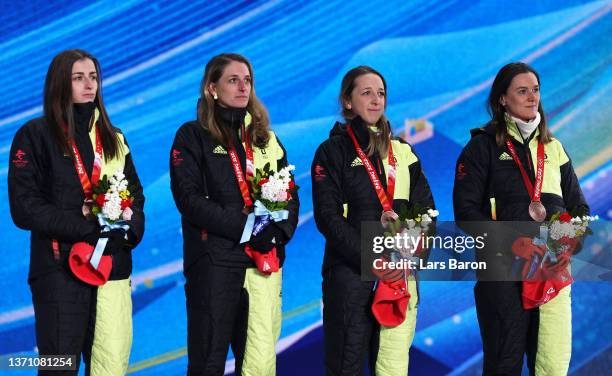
(219, 150)
(266, 266)
(356, 162)
(505, 157)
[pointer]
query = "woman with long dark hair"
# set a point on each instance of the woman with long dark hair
(362, 173)
(514, 170)
(56, 163)
(230, 301)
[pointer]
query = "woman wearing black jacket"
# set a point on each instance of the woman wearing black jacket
(489, 185)
(229, 301)
(344, 197)
(47, 197)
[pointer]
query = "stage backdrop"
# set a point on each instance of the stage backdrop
(439, 59)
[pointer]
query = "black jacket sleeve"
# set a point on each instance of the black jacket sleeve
(471, 183)
(327, 198)
(30, 207)
(188, 183)
(570, 188)
(137, 222)
(288, 227)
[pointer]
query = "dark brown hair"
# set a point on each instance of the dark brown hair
(58, 103)
(500, 86)
(378, 143)
(260, 125)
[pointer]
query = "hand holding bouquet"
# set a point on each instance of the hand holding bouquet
(542, 261)
(111, 205)
(272, 191)
(392, 296)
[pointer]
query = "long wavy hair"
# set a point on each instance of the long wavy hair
(257, 132)
(58, 109)
(500, 86)
(379, 143)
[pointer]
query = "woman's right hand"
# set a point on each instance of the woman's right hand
(262, 242)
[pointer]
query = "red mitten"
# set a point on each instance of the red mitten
(79, 264)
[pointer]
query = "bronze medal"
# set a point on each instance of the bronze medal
(537, 211)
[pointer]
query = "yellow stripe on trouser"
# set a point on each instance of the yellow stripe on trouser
(555, 335)
(264, 322)
(112, 343)
(395, 342)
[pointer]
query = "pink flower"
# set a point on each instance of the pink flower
(127, 214)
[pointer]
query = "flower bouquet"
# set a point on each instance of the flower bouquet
(111, 205)
(271, 191)
(391, 296)
(412, 224)
(543, 261)
(112, 200)
(565, 233)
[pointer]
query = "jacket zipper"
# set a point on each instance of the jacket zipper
(528, 152)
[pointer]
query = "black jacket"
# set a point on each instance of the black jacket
(485, 170)
(339, 179)
(207, 195)
(46, 197)
(489, 186)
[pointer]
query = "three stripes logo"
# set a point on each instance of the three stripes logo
(219, 150)
(357, 162)
(505, 157)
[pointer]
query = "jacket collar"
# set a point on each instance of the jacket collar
(230, 117)
(515, 133)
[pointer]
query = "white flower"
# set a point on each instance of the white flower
(112, 206)
(275, 189)
(433, 213)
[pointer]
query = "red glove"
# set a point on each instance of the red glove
(546, 282)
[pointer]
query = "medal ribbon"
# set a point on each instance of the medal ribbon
(85, 182)
(534, 191)
(242, 182)
(386, 198)
(80, 168)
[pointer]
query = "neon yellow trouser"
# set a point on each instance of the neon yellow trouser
(112, 341)
(395, 342)
(264, 322)
(555, 335)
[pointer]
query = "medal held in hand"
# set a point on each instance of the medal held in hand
(537, 211)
